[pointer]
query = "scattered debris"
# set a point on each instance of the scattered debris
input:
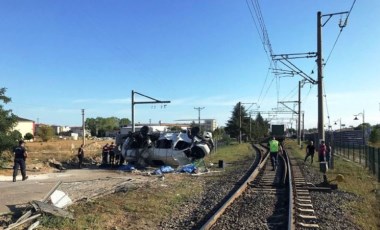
(40, 207)
(60, 199)
(12, 226)
(56, 164)
(51, 209)
(34, 225)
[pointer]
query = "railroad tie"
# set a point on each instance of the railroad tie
(305, 210)
(311, 226)
(305, 205)
(307, 217)
(303, 200)
(305, 197)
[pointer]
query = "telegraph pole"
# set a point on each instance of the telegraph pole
(321, 132)
(83, 128)
(133, 111)
(239, 122)
(303, 126)
(199, 115)
(299, 113)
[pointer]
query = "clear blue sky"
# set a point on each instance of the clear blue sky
(57, 57)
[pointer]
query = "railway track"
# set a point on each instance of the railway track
(268, 199)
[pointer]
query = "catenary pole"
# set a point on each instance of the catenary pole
(133, 111)
(299, 113)
(321, 133)
(239, 122)
(83, 128)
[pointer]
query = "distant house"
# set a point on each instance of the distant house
(79, 131)
(58, 129)
(24, 126)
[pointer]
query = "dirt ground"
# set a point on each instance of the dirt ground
(78, 184)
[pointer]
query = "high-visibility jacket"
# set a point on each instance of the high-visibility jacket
(273, 146)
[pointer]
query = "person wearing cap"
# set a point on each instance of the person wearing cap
(20, 154)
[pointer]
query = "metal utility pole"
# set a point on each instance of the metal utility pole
(239, 122)
(299, 113)
(250, 126)
(154, 101)
(199, 114)
(321, 132)
(303, 126)
(83, 128)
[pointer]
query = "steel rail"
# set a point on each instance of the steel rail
(291, 207)
(211, 221)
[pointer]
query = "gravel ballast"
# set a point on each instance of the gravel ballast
(328, 207)
(215, 188)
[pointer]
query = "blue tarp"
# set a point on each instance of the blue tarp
(163, 169)
(128, 167)
(190, 168)
(166, 169)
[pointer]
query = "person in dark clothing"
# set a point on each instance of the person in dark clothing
(310, 150)
(322, 152)
(328, 154)
(105, 154)
(80, 155)
(111, 149)
(20, 154)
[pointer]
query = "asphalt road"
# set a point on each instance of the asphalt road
(75, 182)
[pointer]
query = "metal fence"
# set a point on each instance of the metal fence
(366, 155)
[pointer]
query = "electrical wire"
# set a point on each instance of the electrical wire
(340, 32)
(307, 95)
(258, 20)
(326, 104)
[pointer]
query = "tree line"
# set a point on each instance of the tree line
(251, 128)
(100, 125)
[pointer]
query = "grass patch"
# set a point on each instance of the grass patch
(146, 206)
(357, 180)
(63, 150)
(142, 208)
(232, 153)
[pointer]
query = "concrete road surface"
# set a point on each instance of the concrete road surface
(14, 194)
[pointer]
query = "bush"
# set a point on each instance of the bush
(28, 136)
(45, 133)
(374, 137)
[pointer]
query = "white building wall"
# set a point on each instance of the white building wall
(24, 127)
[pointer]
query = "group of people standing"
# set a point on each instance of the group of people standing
(109, 155)
(324, 152)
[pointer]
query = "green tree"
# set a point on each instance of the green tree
(233, 126)
(175, 128)
(45, 132)
(374, 137)
(8, 121)
(360, 127)
(90, 124)
(100, 125)
(28, 136)
(124, 122)
(16, 135)
(261, 127)
(218, 133)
